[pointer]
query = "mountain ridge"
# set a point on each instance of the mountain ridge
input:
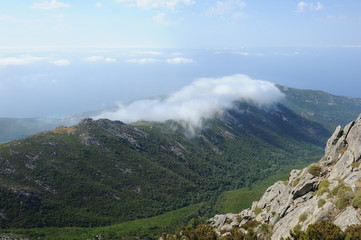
(145, 169)
(325, 108)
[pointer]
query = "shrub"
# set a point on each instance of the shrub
(356, 164)
(343, 150)
(297, 227)
(335, 190)
(344, 197)
(201, 232)
(315, 170)
(356, 202)
(321, 191)
(250, 224)
(236, 234)
(342, 203)
(302, 217)
(353, 232)
(324, 230)
(297, 234)
(229, 221)
(324, 184)
(321, 202)
(265, 231)
(257, 210)
(295, 182)
(194, 222)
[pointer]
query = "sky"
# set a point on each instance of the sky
(63, 57)
(179, 23)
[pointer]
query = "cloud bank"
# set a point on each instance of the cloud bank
(303, 6)
(179, 60)
(171, 4)
(142, 60)
(100, 59)
(176, 60)
(45, 5)
(17, 61)
(61, 62)
(227, 7)
(200, 100)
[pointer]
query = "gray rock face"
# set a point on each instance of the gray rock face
(302, 201)
(348, 217)
(5, 236)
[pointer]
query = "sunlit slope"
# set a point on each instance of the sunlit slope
(103, 172)
(328, 109)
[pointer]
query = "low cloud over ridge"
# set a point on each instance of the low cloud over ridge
(200, 100)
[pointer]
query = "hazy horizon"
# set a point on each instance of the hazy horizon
(60, 57)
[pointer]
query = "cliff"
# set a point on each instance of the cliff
(329, 189)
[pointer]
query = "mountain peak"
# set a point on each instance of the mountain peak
(329, 189)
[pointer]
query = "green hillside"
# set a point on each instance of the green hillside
(148, 228)
(323, 107)
(104, 172)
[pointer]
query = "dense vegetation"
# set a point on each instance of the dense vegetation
(102, 172)
(148, 228)
(235, 201)
(323, 107)
(323, 230)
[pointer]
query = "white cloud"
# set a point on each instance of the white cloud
(303, 6)
(148, 53)
(100, 59)
(179, 60)
(200, 100)
(11, 61)
(161, 18)
(49, 5)
(110, 60)
(17, 61)
(94, 59)
(242, 53)
(232, 7)
(61, 62)
(351, 46)
(316, 7)
(98, 4)
(143, 60)
(171, 4)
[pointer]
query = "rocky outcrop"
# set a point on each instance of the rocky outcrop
(324, 190)
(4, 236)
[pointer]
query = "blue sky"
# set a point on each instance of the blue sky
(179, 23)
(62, 57)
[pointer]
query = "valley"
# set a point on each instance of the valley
(101, 172)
